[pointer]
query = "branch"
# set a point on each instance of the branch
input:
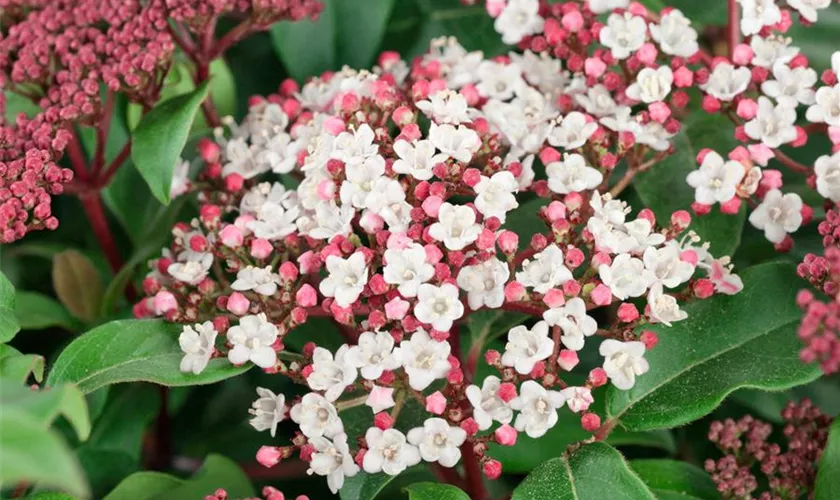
(733, 29)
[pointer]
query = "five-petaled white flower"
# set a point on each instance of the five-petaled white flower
(756, 14)
(456, 226)
(407, 268)
(573, 321)
(274, 221)
(726, 81)
(578, 399)
(573, 131)
(424, 359)
(259, 279)
(495, 195)
(791, 86)
(651, 85)
(332, 459)
(198, 343)
(602, 6)
(388, 452)
(316, 416)
(624, 34)
(827, 106)
(445, 106)
(808, 8)
(346, 280)
(664, 308)
(623, 361)
(716, 180)
(777, 215)
(438, 441)
(774, 49)
(666, 266)
(675, 34)
(572, 175)
(458, 142)
(417, 159)
(487, 405)
(537, 408)
(546, 271)
(499, 81)
(484, 283)
(438, 306)
(374, 354)
(193, 269)
(773, 125)
(519, 19)
(252, 340)
(268, 410)
(331, 375)
(526, 347)
(625, 276)
(827, 169)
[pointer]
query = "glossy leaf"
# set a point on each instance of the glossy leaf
(828, 473)
(435, 491)
(144, 485)
(130, 351)
(594, 472)
(160, 137)
(364, 486)
(78, 284)
(727, 343)
(9, 325)
(17, 366)
(665, 477)
(44, 406)
(36, 311)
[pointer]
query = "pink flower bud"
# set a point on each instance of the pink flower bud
(403, 116)
(164, 302)
(269, 456)
(233, 183)
(573, 21)
(208, 150)
(470, 426)
(594, 67)
(492, 357)
(299, 316)
(627, 312)
(590, 422)
(680, 220)
(732, 206)
(567, 359)
(743, 54)
(309, 262)
(514, 292)
(306, 296)
(554, 298)
(747, 108)
(710, 104)
(508, 242)
(396, 308)
(649, 339)
(659, 111)
(431, 205)
(647, 54)
(760, 154)
(486, 239)
(383, 420)
(683, 77)
(238, 304)
(507, 391)
(261, 248)
(597, 377)
(506, 435)
(471, 177)
(455, 376)
(538, 370)
(436, 403)
(288, 271)
(492, 469)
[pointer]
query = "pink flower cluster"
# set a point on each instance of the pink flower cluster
(747, 450)
(268, 493)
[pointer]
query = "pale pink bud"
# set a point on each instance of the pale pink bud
(398, 241)
(371, 222)
(597, 377)
(325, 190)
(506, 435)
(732, 206)
(647, 53)
(573, 21)
(431, 206)
(433, 254)
(834, 134)
(269, 456)
(238, 304)
(515, 291)
(471, 177)
(743, 54)
(507, 391)
(594, 67)
(436, 403)
(486, 239)
(492, 469)
(396, 308)
(554, 298)
(261, 248)
(567, 359)
(549, 155)
(601, 258)
(680, 219)
(309, 262)
(556, 211)
(627, 312)
(164, 302)
(508, 242)
(590, 422)
(288, 271)
(403, 116)
(571, 288)
(683, 77)
(306, 296)
(649, 339)
(231, 236)
(747, 108)
(383, 420)
(659, 111)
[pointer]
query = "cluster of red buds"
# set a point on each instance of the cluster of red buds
(268, 493)
(747, 449)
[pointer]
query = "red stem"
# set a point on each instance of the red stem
(791, 163)
(92, 203)
(733, 30)
(102, 130)
(106, 176)
(77, 157)
(472, 469)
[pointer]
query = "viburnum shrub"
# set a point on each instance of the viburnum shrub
(455, 260)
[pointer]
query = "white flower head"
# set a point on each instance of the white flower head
(623, 361)
(573, 321)
(331, 374)
(424, 359)
(664, 308)
(274, 221)
(192, 270)
(546, 271)
(675, 34)
(445, 106)
(407, 268)
(252, 340)
(332, 459)
(316, 417)
(665, 266)
(572, 175)
(417, 159)
(577, 398)
(519, 19)
(624, 34)
(268, 410)
(827, 169)
(438, 306)
(826, 109)
(484, 283)
(388, 452)
(756, 14)
(374, 354)
(526, 347)
(487, 405)
(625, 276)
(456, 226)
(458, 142)
(716, 180)
(361, 177)
(498, 80)
(651, 85)
(438, 441)
(346, 279)
(537, 408)
(572, 132)
(495, 195)
(808, 8)
(603, 6)
(769, 51)
(777, 215)
(791, 86)
(355, 146)
(260, 280)
(598, 101)
(198, 343)
(772, 125)
(726, 81)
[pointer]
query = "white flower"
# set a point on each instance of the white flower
(598, 101)
(756, 14)
(361, 177)
(407, 268)
(374, 354)
(573, 321)
(456, 226)
(525, 348)
(773, 125)
(541, 70)
(777, 215)
(252, 339)
(827, 107)
(445, 106)
(329, 221)
(499, 81)
(487, 405)
(260, 280)
(537, 408)
(355, 146)
(274, 221)
(827, 169)
(346, 278)
(424, 359)
(572, 132)
(193, 270)
(664, 308)
(602, 6)
(180, 179)
(665, 266)
(623, 361)
(771, 50)
(380, 398)
(577, 398)
(438, 441)
(316, 417)
(459, 143)
(546, 271)
(329, 374)
(720, 272)
(716, 180)
(835, 62)
(198, 343)
(675, 34)
(268, 411)
(808, 8)
(572, 175)
(438, 306)
(388, 452)
(725, 81)
(417, 159)
(791, 86)
(624, 34)
(651, 85)
(332, 459)
(240, 160)
(640, 235)
(484, 283)
(625, 276)
(495, 195)
(519, 19)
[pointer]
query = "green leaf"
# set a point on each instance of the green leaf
(344, 34)
(8, 321)
(486, 326)
(727, 343)
(817, 41)
(364, 486)
(17, 104)
(78, 284)
(435, 491)
(144, 485)
(44, 406)
(48, 495)
(670, 476)
(18, 367)
(34, 454)
(36, 311)
(828, 473)
(160, 137)
(664, 190)
(594, 472)
(130, 351)
(525, 221)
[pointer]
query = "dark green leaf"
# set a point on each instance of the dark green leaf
(18, 367)
(435, 491)
(359, 32)
(36, 311)
(364, 486)
(44, 406)
(160, 137)
(130, 351)
(670, 476)
(78, 284)
(486, 326)
(8, 321)
(594, 472)
(49, 496)
(525, 221)
(818, 41)
(828, 474)
(144, 485)
(728, 342)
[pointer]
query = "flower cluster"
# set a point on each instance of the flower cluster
(407, 178)
(268, 493)
(747, 449)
